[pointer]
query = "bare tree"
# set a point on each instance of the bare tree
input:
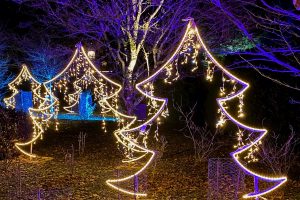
(280, 156)
(133, 37)
(45, 59)
(273, 32)
(296, 4)
(204, 139)
(5, 76)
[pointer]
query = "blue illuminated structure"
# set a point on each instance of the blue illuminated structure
(24, 101)
(75, 117)
(86, 107)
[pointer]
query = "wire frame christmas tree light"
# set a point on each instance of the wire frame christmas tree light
(260, 133)
(40, 113)
(249, 145)
(186, 53)
(79, 75)
(41, 116)
(22, 77)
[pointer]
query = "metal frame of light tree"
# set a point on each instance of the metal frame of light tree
(84, 65)
(221, 102)
(40, 104)
(24, 75)
(192, 31)
(40, 117)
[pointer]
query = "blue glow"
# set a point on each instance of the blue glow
(24, 101)
(2, 104)
(86, 107)
(74, 117)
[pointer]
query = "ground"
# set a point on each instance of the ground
(54, 176)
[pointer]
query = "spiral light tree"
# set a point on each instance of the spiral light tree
(40, 112)
(79, 75)
(233, 88)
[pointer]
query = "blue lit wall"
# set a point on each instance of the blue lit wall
(24, 101)
(86, 107)
(73, 117)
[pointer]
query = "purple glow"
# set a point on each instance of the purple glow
(280, 180)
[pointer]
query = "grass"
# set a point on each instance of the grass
(175, 176)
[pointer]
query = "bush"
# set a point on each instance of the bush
(14, 126)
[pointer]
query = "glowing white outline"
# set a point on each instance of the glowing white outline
(234, 154)
(11, 86)
(192, 25)
(42, 110)
(164, 101)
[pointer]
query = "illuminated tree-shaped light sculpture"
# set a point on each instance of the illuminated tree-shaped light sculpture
(81, 75)
(255, 135)
(129, 135)
(248, 137)
(41, 115)
(232, 88)
(23, 76)
(40, 112)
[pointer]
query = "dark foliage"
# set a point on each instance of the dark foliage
(14, 126)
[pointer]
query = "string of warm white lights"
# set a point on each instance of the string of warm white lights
(40, 117)
(192, 40)
(24, 75)
(125, 136)
(80, 74)
(40, 103)
(278, 181)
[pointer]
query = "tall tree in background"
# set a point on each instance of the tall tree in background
(272, 29)
(5, 77)
(45, 59)
(136, 36)
(133, 37)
